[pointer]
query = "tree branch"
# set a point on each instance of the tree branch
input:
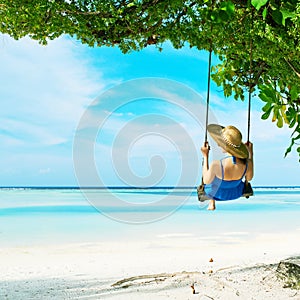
(258, 73)
(86, 13)
(292, 67)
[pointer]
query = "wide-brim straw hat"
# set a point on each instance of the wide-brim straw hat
(229, 138)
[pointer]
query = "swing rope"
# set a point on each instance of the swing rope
(250, 79)
(249, 114)
(208, 93)
(247, 184)
(207, 102)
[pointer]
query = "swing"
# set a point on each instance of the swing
(247, 191)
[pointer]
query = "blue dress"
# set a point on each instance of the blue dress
(222, 190)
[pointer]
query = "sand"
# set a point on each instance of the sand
(162, 268)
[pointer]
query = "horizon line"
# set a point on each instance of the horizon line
(129, 187)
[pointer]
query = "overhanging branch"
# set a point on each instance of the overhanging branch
(292, 67)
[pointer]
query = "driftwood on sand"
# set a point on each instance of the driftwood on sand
(139, 280)
(231, 282)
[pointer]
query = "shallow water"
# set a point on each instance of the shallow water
(46, 216)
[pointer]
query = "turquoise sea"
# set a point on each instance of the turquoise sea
(33, 216)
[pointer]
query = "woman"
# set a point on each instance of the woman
(223, 179)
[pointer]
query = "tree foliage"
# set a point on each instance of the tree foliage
(257, 41)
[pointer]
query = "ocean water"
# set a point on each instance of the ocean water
(33, 216)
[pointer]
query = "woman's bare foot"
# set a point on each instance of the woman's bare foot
(212, 205)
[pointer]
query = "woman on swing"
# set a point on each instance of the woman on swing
(223, 179)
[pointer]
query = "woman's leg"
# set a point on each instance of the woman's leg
(212, 205)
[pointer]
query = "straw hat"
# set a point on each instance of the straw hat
(229, 138)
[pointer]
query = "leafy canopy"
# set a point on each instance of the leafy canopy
(265, 30)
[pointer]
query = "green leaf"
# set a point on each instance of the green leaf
(294, 92)
(223, 16)
(258, 3)
(269, 91)
(297, 137)
(214, 16)
(267, 107)
(283, 113)
(268, 94)
(275, 114)
(292, 122)
(264, 14)
(279, 121)
(264, 97)
(277, 16)
(227, 6)
(266, 115)
(286, 14)
(227, 90)
(288, 150)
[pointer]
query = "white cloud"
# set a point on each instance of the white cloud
(44, 89)
(32, 133)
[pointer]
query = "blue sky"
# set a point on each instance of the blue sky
(141, 113)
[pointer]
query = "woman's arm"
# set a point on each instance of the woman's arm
(250, 169)
(208, 173)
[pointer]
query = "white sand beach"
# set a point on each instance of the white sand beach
(162, 268)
